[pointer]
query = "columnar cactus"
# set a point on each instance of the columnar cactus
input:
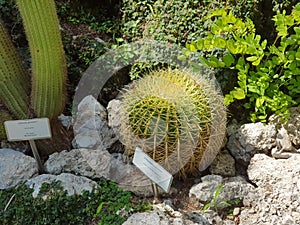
(49, 71)
(171, 115)
(14, 80)
(48, 59)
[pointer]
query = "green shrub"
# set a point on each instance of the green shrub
(173, 21)
(268, 74)
(103, 205)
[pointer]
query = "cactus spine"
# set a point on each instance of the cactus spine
(48, 59)
(14, 81)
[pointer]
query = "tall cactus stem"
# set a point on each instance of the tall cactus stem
(14, 80)
(48, 58)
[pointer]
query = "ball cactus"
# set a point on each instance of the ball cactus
(171, 114)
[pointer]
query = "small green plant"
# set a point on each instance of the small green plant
(214, 202)
(268, 75)
(103, 206)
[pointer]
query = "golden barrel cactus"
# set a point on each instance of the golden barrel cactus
(176, 116)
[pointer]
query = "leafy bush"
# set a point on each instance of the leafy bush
(104, 205)
(173, 21)
(268, 74)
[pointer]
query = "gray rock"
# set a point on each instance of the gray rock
(91, 128)
(66, 121)
(113, 111)
(292, 126)
(15, 168)
(236, 211)
(145, 218)
(276, 199)
(251, 139)
(234, 188)
(84, 162)
(74, 185)
(164, 214)
(223, 164)
(213, 218)
(284, 145)
(197, 218)
(205, 190)
(283, 140)
(99, 164)
(88, 139)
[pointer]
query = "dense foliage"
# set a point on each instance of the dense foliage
(174, 21)
(268, 74)
(106, 205)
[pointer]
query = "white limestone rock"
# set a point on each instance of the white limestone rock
(74, 185)
(15, 168)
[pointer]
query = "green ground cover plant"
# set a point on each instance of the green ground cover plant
(107, 205)
(267, 73)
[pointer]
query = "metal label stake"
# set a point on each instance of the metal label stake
(36, 156)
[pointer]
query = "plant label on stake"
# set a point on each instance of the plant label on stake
(29, 130)
(152, 169)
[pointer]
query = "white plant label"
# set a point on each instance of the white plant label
(31, 129)
(152, 169)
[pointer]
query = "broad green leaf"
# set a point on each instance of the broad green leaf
(192, 48)
(215, 62)
(231, 46)
(247, 105)
(238, 93)
(264, 44)
(259, 102)
(228, 99)
(297, 30)
(220, 42)
(296, 13)
(228, 59)
(256, 63)
(297, 56)
(252, 58)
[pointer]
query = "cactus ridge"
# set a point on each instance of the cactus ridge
(169, 114)
(48, 59)
(14, 80)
